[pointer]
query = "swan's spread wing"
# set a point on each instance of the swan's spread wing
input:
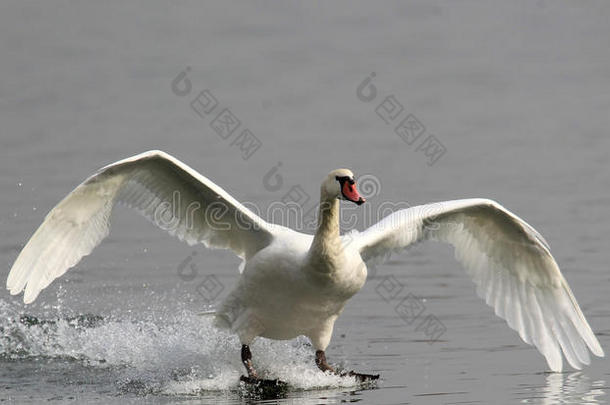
(158, 186)
(510, 263)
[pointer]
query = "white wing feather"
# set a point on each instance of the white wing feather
(158, 186)
(509, 262)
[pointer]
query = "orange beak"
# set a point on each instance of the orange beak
(350, 192)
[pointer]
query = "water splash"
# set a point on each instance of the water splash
(159, 351)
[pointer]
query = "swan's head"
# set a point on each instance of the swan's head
(340, 184)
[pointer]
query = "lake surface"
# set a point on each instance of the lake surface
(509, 101)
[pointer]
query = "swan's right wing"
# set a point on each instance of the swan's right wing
(509, 261)
(161, 188)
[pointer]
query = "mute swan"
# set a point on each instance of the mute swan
(297, 284)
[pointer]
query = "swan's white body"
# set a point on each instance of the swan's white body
(297, 284)
(280, 296)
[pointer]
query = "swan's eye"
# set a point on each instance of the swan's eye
(343, 179)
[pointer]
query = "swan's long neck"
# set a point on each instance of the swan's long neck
(326, 252)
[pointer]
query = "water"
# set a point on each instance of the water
(516, 93)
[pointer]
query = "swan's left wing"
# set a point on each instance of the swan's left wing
(509, 262)
(166, 191)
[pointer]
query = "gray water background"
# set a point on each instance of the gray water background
(518, 93)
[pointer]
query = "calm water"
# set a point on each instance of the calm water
(518, 95)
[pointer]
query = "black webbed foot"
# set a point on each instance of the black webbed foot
(262, 382)
(361, 377)
(323, 365)
(264, 388)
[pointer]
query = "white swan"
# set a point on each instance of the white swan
(297, 284)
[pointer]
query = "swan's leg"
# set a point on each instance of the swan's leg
(320, 338)
(323, 365)
(321, 361)
(246, 358)
(269, 386)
